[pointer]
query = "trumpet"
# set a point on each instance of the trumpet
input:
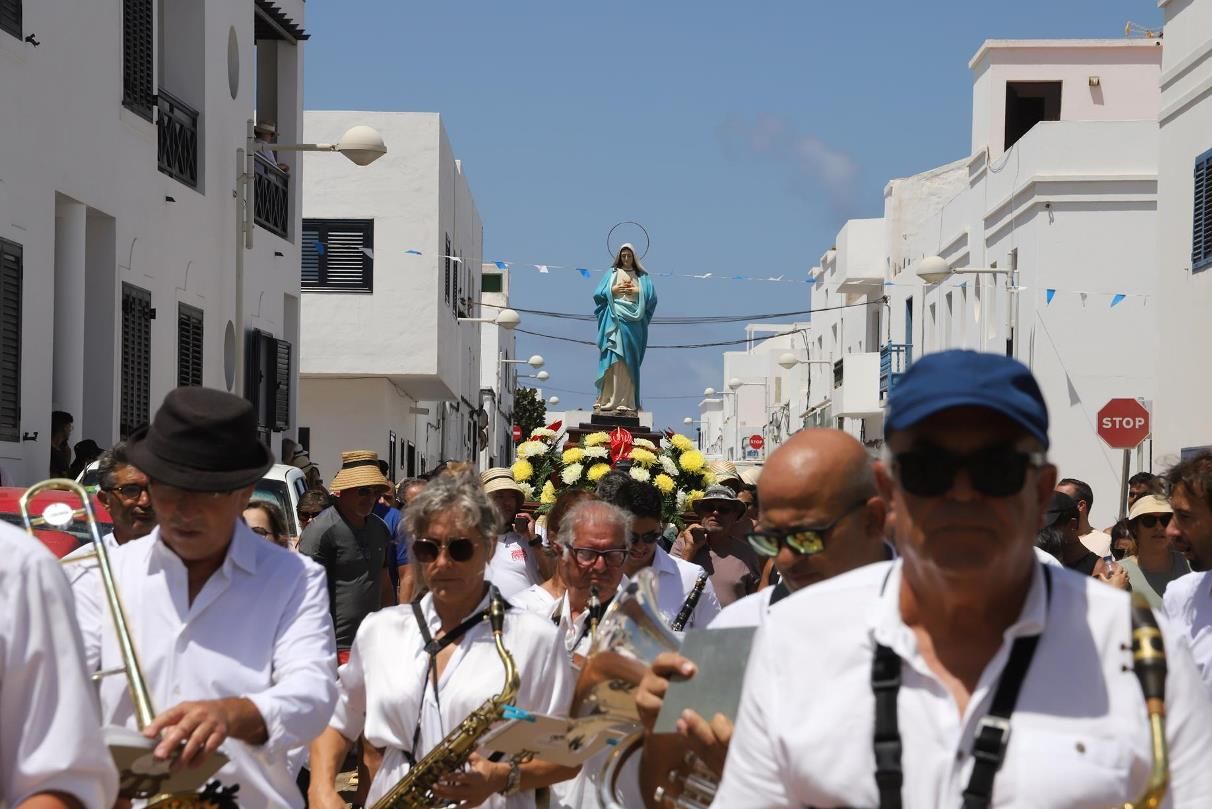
(1149, 663)
(140, 774)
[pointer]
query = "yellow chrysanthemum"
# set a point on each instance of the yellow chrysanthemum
(595, 439)
(597, 471)
(548, 495)
(664, 483)
(642, 456)
(691, 460)
(692, 497)
(681, 443)
(573, 455)
(708, 477)
(522, 470)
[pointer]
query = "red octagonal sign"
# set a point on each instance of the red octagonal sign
(756, 441)
(1123, 423)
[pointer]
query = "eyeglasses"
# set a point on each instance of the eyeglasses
(1151, 520)
(365, 491)
(648, 538)
(259, 531)
(804, 540)
(588, 557)
(308, 515)
(459, 549)
(998, 471)
(128, 491)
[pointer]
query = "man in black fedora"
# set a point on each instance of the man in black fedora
(233, 632)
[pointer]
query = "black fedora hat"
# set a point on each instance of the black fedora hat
(203, 440)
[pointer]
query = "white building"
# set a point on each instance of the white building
(498, 379)
(385, 362)
(1184, 239)
(120, 232)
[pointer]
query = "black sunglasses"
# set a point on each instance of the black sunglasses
(459, 549)
(648, 538)
(588, 557)
(804, 540)
(259, 531)
(129, 491)
(308, 515)
(1151, 520)
(998, 471)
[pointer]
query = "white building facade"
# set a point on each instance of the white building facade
(391, 264)
(498, 379)
(1184, 240)
(120, 227)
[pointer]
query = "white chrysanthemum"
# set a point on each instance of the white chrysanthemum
(571, 473)
(670, 467)
(643, 442)
(597, 452)
(543, 432)
(527, 490)
(529, 449)
(639, 473)
(681, 500)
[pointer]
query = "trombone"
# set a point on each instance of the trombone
(140, 774)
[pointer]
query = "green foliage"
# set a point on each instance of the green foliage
(529, 411)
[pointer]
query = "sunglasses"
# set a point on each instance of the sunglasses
(308, 515)
(1151, 520)
(804, 540)
(998, 471)
(588, 557)
(648, 538)
(129, 491)
(459, 549)
(259, 531)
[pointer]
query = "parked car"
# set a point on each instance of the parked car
(60, 542)
(283, 485)
(90, 478)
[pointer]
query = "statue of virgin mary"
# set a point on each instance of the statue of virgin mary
(624, 303)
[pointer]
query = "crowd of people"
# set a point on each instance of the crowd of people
(941, 626)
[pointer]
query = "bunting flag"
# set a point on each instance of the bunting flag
(413, 252)
(542, 268)
(320, 248)
(1050, 293)
(1117, 299)
(369, 252)
(501, 265)
(584, 272)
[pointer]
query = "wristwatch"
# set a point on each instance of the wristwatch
(513, 784)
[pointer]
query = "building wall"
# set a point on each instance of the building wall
(368, 410)
(80, 191)
(1184, 298)
(497, 385)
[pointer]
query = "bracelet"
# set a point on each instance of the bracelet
(513, 784)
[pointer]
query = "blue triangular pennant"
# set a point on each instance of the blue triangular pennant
(412, 252)
(584, 272)
(501, 265)
(1049, 294)
(319, 247)
(1117, 298)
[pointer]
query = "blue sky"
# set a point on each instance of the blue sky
(742, 135)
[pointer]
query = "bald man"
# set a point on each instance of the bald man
(821, 516)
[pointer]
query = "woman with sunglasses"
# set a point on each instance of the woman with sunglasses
(1156, 563)
(417, 670)
(265, 519)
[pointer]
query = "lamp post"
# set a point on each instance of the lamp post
(936, 269)
(362, 145)
(734, 385)
(506, 319)
(535, 362)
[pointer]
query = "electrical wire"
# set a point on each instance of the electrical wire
(685, 320)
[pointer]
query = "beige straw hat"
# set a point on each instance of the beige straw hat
(359, 467)
(500, 479)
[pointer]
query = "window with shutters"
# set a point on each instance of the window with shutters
(137, 315)
(189, 345)
(267, 387)
(1201, 230)
(10, 17)
(138, 86)
(281, 387)
(338, 255)
(446, 258)
(10, 341)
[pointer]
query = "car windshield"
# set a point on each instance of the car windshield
(276, 492)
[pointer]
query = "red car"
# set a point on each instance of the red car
(63, 542)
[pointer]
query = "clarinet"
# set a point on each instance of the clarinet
(692, 601)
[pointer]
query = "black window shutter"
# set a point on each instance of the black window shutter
(338, 255)
(254, 375)
(446, 258)
(138, 90)
(281, 392)
(10, 341)
(189, 345)
(10, 17)
(1201, 227)
(137, 316)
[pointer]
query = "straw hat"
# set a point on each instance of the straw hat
(500, 479)
(359, 467)
(750, 475)
(719, 495)
(724, 470)
(1150, 504)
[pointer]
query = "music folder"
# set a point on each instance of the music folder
(721, 656)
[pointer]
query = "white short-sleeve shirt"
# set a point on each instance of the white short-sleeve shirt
(675, 581)
(1079, 735)
(385, 689)
(1188, 604)
(513, 567)
(50, 730)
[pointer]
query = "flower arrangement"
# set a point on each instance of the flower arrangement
(683, 475)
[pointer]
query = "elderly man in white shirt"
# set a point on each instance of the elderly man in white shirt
(233, 632)
(52, 754)
(1188, 601)
(124, 494)
(980, 676)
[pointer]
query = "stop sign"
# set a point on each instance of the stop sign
(517, 433)
(756, 441)
(1123, 423)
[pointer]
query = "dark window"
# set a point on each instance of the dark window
(338, 254)
(1028, 103)
(177, 147)
(1201, 231)
(281, 390)
(446, 258)
(10, 341)
(138, 93)
(137, 315)
(271, 197)
(268, 383)
(189, 345)
(492, 282)
(10, 17)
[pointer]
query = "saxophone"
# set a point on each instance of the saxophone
(415, 789)
(692, 601)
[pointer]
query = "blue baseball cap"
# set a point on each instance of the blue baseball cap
(958, 378)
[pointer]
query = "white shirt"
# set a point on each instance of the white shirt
(50, 730)
(534, 599)
(748, 611)
(512, 567)
(259, 628)
(1188, 605)
(75, 570)
(675, 580)
(1079, 735)
(385, 689)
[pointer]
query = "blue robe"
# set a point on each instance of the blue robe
(623, 327)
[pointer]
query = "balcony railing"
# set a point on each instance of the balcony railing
(177, 130)
(895, 359)
(271, 197)
(838, 373)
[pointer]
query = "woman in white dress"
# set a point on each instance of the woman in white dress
(409, 682)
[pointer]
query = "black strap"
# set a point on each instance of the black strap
(781, 591)
(992, 733)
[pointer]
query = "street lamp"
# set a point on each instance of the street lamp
(788, 360)
(553, 401)
(362, 144)
(935, 270)
(506, 319)
(708, 392)
(542, 376)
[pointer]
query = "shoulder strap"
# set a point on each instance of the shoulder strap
(885, 685)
